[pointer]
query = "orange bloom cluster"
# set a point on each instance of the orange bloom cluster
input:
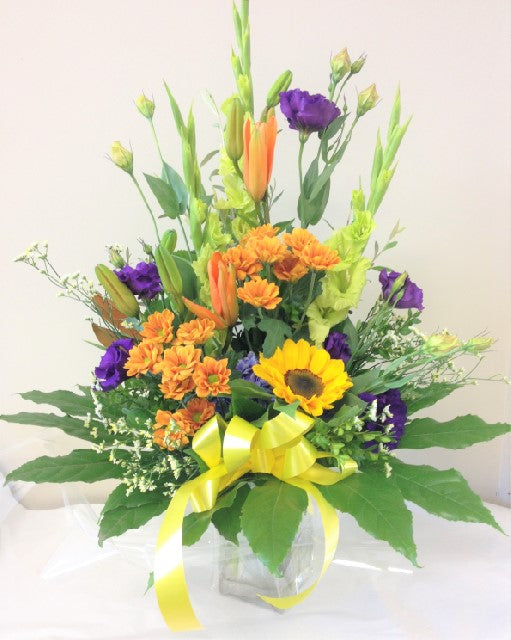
(260, 293)
(211, 377)
(143, 358)
(158, 327)
(310, 251)
(244, 260)
(174, 430)
(195, 332)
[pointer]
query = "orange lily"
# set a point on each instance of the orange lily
(222, 283)
(258, 146)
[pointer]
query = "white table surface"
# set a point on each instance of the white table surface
(55, 584)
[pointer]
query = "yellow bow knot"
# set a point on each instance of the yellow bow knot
(230, 451)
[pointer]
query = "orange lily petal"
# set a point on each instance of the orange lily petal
(205, 314)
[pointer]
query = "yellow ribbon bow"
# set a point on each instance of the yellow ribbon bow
(278, 448)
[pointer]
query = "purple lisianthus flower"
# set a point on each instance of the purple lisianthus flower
(337, 346)
(412, 294)
(111, 372)
(390, 410)
(245, 365)
(307, 113)
(143, 280)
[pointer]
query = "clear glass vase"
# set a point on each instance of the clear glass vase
(242, 574)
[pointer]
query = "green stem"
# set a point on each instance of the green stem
(135, 182)
(163, 166)
(342, 87)
(300, 170)
(308, 301)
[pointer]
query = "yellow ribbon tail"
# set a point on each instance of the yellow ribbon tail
(330, 523)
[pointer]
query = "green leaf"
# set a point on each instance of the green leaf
(119, 498)
(194, 526)
(246, 408)
(248, 389)
(366, 381)
(289, 409)
(228, 520)
(310, 210)
(351, 407)
(165, 194)
(270, 517)
(173, 178)
(417, 399)
(187, 276)
(150, 582)
(443, 493)
(276, 333)
(83, 465)
(378, 506)
(71, 426)
(459, 433)
(67, 401)
(115, 522)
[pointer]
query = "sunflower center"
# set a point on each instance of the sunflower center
(304, 383)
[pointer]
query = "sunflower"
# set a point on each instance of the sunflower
(305, 373)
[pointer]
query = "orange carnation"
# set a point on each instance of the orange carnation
(158, 327)
(290, 269)
(260, 293)
(176, 389)
(211, 377)
(263, 231)
(178, 362)
(267, 249)
(298, 239)
(143, 357)
(244, 260)
(195, 332)
(319, 257)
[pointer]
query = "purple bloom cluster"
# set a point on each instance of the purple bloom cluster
(307, 113)
(245, 365)
(143, 280)
(337, 346)
(396, 406)
(412, 294)
(111, 372)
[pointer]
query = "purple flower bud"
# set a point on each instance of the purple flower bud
(307, 113)
(337, 346)
(408, 297)
(111, 372)
(398, 410)
(143, 280)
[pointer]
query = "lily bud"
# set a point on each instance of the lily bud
(169, 240)
(357, 65)
(367, 99)
(233, 135)
(340, 65)
(259, 144)
(282, 83)
(122, 298)
(145, 106)
(222, 282)
(439, 344)
(122, 158)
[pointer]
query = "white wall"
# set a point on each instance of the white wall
(70, 70)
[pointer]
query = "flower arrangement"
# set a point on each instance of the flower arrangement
(234, 375)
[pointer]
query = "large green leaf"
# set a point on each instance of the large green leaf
(269, 519)
(276, 333)
(134, 513)
(187, 276)
(67, 401)
(248, 389)
(71, 426)
(165, 194)
(459, 433)
(417, 399)
(378, 506)
(444, 493)
(228, 520)
(176, 182)
(85, 465)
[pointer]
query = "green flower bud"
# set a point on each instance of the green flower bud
(476, 345)
(122, 298)
(440, 344)
(399, 283)
(233, 136)
(367, 99)
(145, 106)
(340, 64)
(169, 240)
(122, 158)
(357, 65)
(115, 258)
(245, 91)
(147, 248)
(282, 83)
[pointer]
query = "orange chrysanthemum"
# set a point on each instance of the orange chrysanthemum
(168, 433)
(195, 414)
(195, 332)
(178, 363)
(264, 231)
(319, 257)
(298, 239)
(290, 269)
(158, 327)
(176, 389)
(260, 293)
(244, 260)
(143, 357)
(267, 249)
(211, 377)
